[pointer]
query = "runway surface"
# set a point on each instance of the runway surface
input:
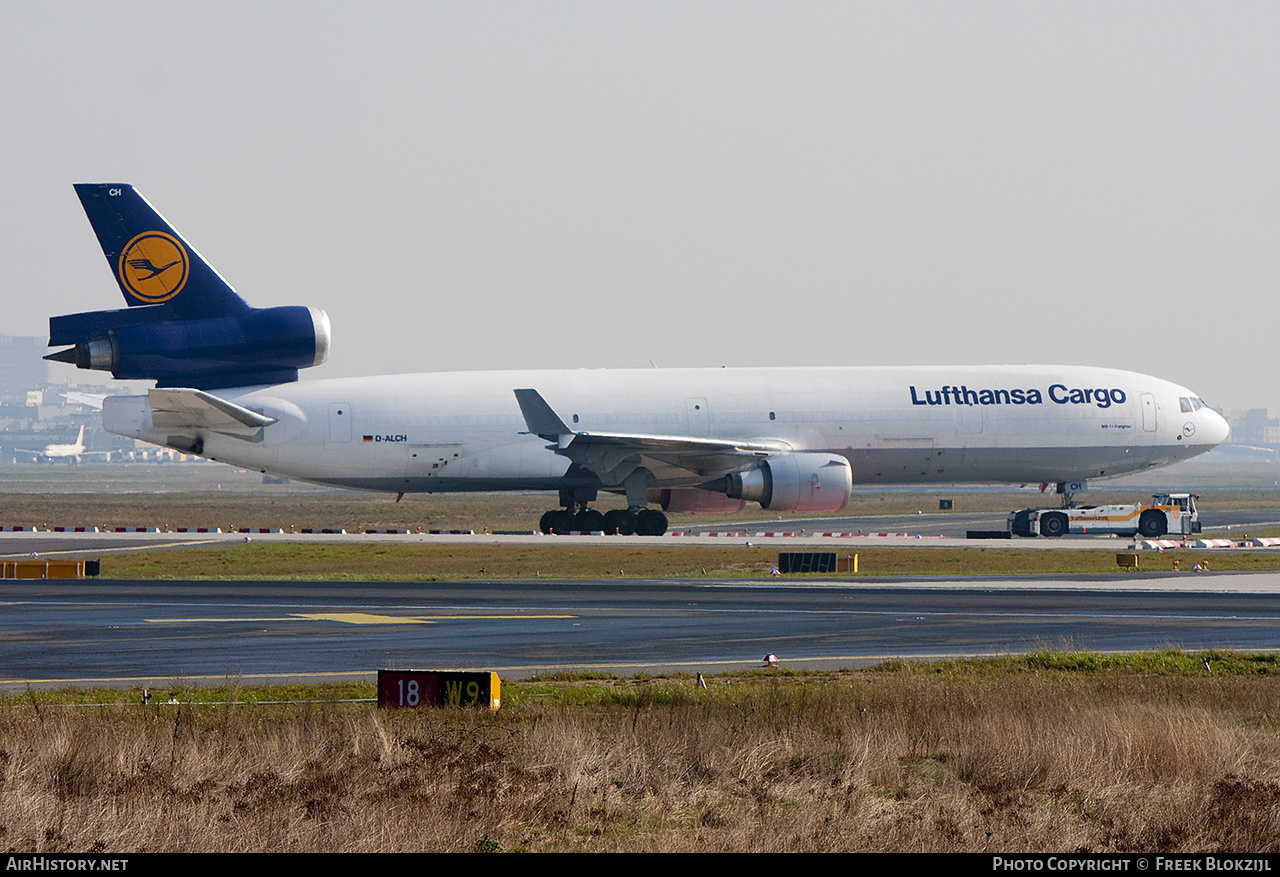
(153, 633)
(945, 530)
(1218, 522)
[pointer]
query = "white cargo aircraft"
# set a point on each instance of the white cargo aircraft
(791, 439)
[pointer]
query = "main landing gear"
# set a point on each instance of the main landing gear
(634, 519)
(624, 522)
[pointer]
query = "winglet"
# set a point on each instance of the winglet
(541, 419)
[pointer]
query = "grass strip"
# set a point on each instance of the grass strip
(428, 563)
(587, 688)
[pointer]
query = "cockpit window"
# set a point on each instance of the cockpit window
(1185, 404)
(1197, 403)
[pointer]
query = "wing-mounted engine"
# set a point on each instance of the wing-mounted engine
(794, 483)
(258, 346)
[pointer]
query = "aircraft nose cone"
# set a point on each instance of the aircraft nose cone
(1216, 428)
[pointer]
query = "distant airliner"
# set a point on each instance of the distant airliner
(54, 451)
(791, 439)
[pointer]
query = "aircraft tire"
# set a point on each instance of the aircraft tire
(588, 521)
(651, 522)
(619, 521)
(556, 521)
(1053, 524)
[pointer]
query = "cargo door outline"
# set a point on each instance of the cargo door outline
(1148, 412)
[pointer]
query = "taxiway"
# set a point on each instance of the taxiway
(155, 632)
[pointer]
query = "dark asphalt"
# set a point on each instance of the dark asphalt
(155, 632)
(956, 524)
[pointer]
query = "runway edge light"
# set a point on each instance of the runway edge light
(411, 689)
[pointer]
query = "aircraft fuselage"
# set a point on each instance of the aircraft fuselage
(464, 431)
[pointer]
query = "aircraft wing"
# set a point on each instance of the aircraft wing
(667, 456)
(195, 409)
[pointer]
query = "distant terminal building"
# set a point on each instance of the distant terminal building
(34, 412)
(1254, 427)
(22, 369)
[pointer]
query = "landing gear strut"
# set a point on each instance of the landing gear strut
(575, 515)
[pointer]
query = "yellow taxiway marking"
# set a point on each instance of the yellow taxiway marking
(186, 543)
(355, 618)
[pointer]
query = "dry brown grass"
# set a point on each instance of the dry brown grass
(897, 760)
(304, 509)
(386, 562)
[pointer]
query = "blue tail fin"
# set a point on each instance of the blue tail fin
(152, 262)
(192, 329)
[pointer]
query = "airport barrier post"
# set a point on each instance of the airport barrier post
(42, 569)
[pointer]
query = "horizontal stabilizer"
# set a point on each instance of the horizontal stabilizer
(196, 409)
(90, 400)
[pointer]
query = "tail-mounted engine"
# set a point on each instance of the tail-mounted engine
(258, 346)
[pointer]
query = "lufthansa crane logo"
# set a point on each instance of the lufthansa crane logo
(154, 267)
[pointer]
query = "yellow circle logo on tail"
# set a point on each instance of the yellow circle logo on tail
(154, 267)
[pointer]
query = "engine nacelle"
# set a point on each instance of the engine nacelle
(795, 483)
(697, 501)
(258, 346)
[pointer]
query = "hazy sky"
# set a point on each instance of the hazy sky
(489, 185)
